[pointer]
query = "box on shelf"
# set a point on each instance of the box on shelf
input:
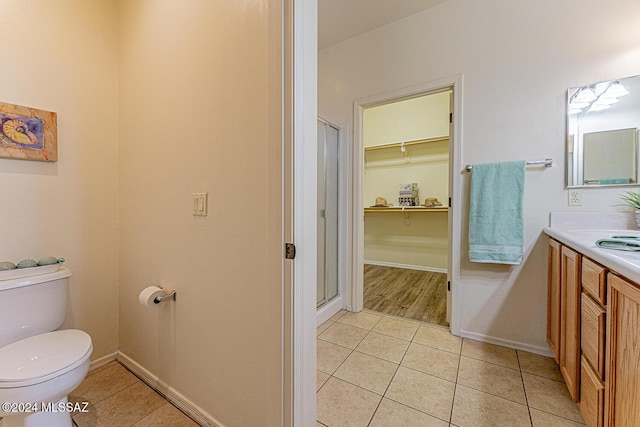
(412, 186)
(408, 194)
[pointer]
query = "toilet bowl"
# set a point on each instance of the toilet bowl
(39, 365)
(37, 374)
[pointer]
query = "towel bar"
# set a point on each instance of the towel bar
(546, 162)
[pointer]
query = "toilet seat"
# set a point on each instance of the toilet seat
(42, 357)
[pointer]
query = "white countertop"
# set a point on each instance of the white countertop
(582, 236)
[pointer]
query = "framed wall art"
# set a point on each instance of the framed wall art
(28, 133)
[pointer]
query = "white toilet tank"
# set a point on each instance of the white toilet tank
(32, 305)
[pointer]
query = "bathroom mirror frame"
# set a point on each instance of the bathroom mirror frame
(610, 124)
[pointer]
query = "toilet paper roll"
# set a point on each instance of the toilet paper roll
(148, 294)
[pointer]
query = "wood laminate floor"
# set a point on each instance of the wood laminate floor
(413, 294)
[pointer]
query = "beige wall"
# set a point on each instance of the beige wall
(196, 86)
(167, 99)
(62, 56)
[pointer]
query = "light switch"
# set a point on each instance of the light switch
(199, 204)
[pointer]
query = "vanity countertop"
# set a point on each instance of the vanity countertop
(582, 237)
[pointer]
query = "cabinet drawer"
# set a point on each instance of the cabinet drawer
(594, 280)
(591, 396)
(592, 330)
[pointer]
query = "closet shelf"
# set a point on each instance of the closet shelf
(406, 144)
(406, 209)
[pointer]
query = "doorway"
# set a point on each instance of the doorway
(406, 192)
(452, 85)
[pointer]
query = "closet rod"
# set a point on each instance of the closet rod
(406, 143)
(546, 162)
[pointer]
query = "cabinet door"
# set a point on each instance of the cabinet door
(592, 329)
(570, 292)
(591, 396)
(622, 396)
(553, 299)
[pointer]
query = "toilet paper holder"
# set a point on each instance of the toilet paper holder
(158, 300)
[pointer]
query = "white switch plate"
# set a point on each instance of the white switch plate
(199, 204)
(575, 198)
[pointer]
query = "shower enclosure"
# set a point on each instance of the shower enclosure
(327, 212)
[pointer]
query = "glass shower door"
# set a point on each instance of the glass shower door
(327, 212)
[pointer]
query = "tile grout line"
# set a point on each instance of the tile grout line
(526, 399)
(342, 363)
(416, 370)
(455, 387)
(138, 380)
(369, 331)
(389, 385)
(417, 409)
(118, 391)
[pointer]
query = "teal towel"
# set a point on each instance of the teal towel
(621, 243)
(496, 220)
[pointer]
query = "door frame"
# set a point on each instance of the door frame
(301, 55)
(454, 83)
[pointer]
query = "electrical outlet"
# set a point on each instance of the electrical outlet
(575, 198)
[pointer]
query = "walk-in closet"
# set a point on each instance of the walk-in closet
(406, 199)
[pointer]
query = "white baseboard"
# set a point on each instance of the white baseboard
(177, 399)
(542, 351)
(407, 266)
(103, 361)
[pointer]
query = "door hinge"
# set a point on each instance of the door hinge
(450, 117)
(289, 250)
(448, 286)
(450, 202)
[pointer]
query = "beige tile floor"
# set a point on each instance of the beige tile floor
(118, 398)
(381, 371)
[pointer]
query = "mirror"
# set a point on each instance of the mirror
(602, 133)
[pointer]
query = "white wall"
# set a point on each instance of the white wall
(518, 59)
(199, 90)
(62, 56)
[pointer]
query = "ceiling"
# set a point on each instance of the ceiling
(340, 20)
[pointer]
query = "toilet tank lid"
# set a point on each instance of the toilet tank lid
(43, 356)
(33, 280)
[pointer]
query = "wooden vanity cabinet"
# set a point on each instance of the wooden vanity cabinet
(576, 327)
(622, 388)
(570, 291)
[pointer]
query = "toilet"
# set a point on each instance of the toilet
(39, 365)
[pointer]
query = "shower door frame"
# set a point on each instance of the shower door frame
(326, 299)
